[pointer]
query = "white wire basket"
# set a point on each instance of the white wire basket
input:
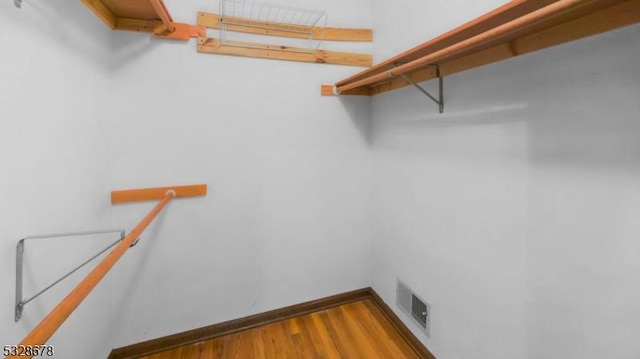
(251, 14)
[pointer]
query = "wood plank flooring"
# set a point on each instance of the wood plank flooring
(354, 330)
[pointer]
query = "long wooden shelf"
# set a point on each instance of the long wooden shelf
(265, 20)
(214, 21)
(517, 28)
(279, 52)
(153, 16)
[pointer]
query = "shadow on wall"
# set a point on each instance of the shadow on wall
(130, 280)
(583, 199)
(476, 123)
(127, 47)
(73, 26)
(66, 22)
(359, 110)
(463, 117)
(588, 114)
(541, 152)
(566, 114)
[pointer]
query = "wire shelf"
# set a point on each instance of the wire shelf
(247, 13)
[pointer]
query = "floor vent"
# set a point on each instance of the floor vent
(415, 307)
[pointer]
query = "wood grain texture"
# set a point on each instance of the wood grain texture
(610, 18)
(505, 13)
(355, 324)
(484, 57)
(536, 28)
(278, 52)
(149, 194)
(213, 21)
(400, 328)
(137, 25)
(183, 32)
(626, 13)
(101, 11)
(327, 90)
(137, 15)
(163, 14)
(48, 326)
(353, 330)
(465, 46)
(233, 326)
(132, 9)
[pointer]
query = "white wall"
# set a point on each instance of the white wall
(287, 216)
(54, 177)
(85, 110)
(512, 213)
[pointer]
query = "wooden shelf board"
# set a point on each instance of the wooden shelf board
(142, 16)
(101, 11)
(138, 9)
(150, 194)
(505, 13)
(578, 19)
(278, 52)
(138, 25)
(213, 21)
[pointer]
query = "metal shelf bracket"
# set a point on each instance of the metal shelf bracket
(20, 302)
(440, 99)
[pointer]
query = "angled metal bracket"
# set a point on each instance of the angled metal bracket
(20, 303)
(17, 3)
(440, 99)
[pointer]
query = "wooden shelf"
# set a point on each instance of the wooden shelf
(279, 52)
(262, 19)
(517, 28)
(142, 16)
(214, 21)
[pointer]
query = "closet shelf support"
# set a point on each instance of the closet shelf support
(20, 301)
(440, 99)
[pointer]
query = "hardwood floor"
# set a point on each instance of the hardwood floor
(354, 330)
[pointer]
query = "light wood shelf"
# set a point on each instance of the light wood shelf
(142, 16)
(517, 28)
(272, 20)
(244, 16)
(214, 21)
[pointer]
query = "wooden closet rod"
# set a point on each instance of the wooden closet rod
(496, 33)
(48, 326)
